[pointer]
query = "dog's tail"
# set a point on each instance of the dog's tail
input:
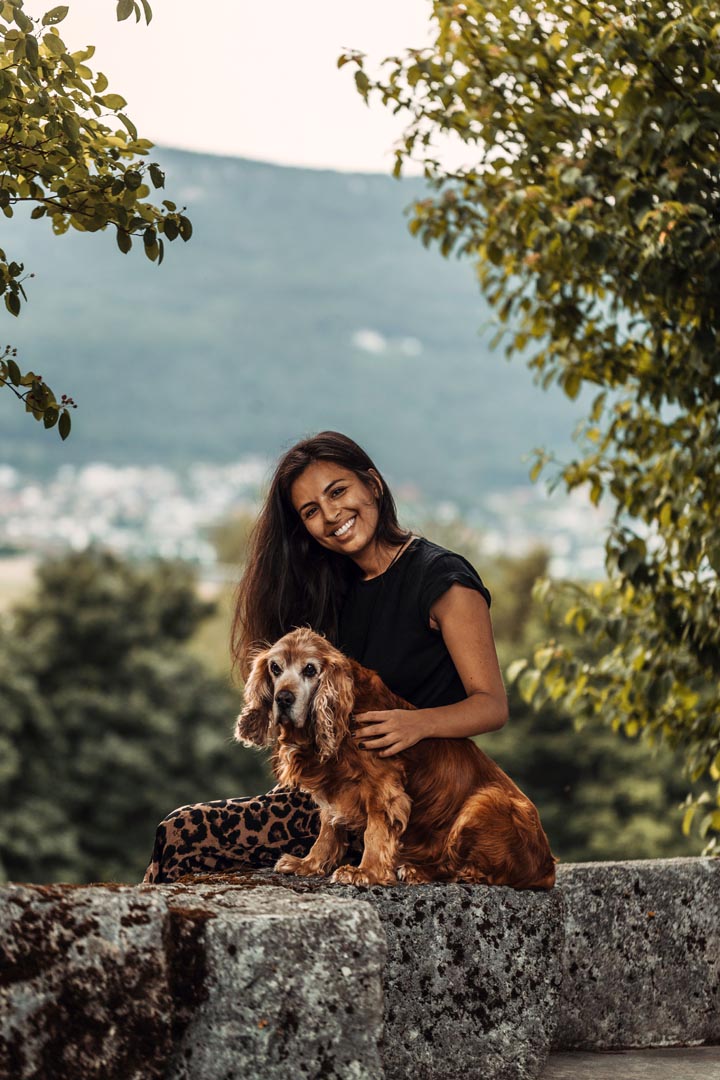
(498, 839)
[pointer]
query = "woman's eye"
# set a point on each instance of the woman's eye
(275, 668)
(309, 513)
(309, 670)
(338, 491)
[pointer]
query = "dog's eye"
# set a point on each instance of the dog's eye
(309, 670)
(275, 668)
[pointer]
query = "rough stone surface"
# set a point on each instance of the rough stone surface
(264, 976)
(471, 976)
(84, 991)
(164, 983)
(293, 988)
(641, 964)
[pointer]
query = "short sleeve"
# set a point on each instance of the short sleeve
(446, 570)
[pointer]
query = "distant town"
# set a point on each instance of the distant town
(156, 511)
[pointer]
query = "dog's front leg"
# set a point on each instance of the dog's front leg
(324, 855)
(385, 826)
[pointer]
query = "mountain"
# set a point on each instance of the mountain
(301, 303)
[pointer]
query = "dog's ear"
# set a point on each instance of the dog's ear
(252, 727)
(332, 707)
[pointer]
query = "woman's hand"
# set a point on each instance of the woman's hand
(387, 732)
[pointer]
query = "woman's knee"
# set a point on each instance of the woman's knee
(191, 812)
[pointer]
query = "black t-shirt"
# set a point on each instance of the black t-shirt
(385, 623)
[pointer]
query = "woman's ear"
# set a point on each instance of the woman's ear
(376, 484)
(252, 727)
(332, 708)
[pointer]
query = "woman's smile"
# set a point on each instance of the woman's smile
(345, 528)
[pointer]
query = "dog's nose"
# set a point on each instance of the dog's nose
(285, 698)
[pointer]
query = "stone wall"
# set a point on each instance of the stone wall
(265, 977)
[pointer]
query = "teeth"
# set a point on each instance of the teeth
(344, 528)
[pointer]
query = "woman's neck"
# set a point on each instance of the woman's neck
(379, 559)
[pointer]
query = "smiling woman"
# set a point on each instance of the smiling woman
(328, 552)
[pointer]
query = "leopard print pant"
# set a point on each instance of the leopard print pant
(232, 834)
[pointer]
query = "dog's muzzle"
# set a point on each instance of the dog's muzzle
(284, 701)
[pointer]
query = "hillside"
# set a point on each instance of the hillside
(301, 303)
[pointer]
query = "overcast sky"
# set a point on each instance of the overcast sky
(253, 78)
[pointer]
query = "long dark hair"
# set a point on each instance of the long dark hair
(290, 580)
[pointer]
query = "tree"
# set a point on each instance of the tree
(107, 723)
(592, 212)
(61, 156)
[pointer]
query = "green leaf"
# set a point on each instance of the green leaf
(31, 50)
(133, 179)
(132, 130)
(54, 44)
(170, 228)
(571, 383)
(64, 424)
(25, 24)
(362, 82)
(50, 416)
(12, 303)
(124, 241)
(528, 684)
(55, 15)
(186, 229)
(125, 9)
(71, 127)
(156, 175)
(13, 372)
(536, 469)
(114, 102)
(514, 669)
(148, 11)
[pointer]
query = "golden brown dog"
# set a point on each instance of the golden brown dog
(441, 810)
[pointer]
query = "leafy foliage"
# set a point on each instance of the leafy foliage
(60, 154)
(107, 723)
(592, 213)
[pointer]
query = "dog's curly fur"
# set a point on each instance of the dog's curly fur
(441, 810)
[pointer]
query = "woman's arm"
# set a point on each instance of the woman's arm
(461, 615)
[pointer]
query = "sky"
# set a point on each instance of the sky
(253, 79)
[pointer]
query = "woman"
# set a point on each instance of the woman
(328, 552)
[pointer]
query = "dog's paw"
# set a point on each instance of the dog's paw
(470, 875)
(413, 875)
(293, 864)
(353, 875)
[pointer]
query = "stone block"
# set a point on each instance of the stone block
(641, 964)
(84, 989)
(165, 983)
(471, 978)
(292, 987)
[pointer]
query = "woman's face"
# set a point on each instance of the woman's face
(336, 507)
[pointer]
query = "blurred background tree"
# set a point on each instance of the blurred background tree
(107, 722)
(591, 209)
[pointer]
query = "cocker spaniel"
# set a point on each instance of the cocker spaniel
(442, 810)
